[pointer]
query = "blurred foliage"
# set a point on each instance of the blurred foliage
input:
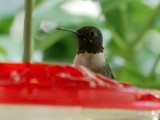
(133, 50)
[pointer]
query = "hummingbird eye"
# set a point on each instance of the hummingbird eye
(92, 33)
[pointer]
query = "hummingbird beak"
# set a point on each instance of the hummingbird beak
(69, 30)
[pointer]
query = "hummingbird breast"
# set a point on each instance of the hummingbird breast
(96, 62)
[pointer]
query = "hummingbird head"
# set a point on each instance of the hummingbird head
(89, 39)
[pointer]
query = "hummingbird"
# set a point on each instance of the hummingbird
(90, 50)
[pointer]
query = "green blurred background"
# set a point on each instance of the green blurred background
(130, 28)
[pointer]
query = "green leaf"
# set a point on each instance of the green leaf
(6, 24)
(2, 51)
(49, 40)
(40, 12)
(116, 15)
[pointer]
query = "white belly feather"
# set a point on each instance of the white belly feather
(90, 60)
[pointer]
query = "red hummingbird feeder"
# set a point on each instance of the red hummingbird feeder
(35, 91)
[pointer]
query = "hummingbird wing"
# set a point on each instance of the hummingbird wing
(108, 71)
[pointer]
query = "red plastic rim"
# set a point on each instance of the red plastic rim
(68, 85)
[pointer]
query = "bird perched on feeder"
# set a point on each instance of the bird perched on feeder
(90, 50)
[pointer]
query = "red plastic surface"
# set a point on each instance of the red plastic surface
(24, 83)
